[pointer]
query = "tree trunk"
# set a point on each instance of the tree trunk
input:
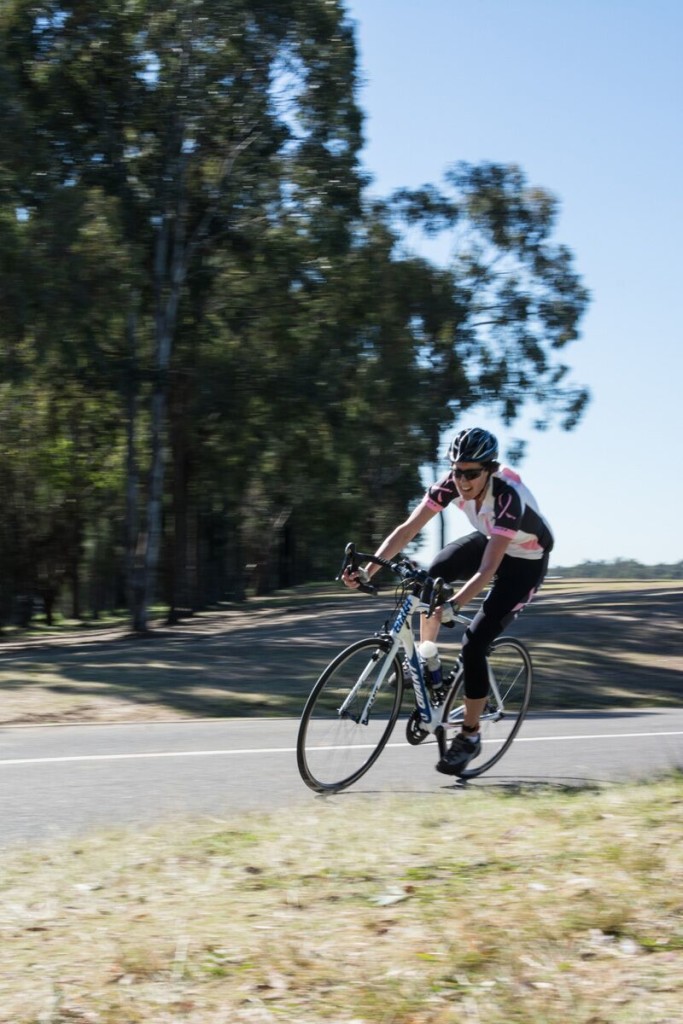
(169, 275)
(156, 493)
(182, 555)
(134, 542)
(75, 574)
(269, 574)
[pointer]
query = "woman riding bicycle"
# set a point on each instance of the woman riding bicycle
(509, 548)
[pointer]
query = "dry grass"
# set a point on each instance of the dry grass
(477, 908)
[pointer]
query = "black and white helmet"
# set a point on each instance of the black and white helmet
(473, 445)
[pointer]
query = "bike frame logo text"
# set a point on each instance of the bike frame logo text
(403, 614)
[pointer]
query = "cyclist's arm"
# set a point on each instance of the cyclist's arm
(402, 535)
(396, 540)
(493, 556)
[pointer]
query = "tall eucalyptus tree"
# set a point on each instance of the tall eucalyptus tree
(198, 118)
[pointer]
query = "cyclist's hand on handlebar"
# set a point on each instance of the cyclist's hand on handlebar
(354, 578)
(442, 594)
(449, 610)
(358, 579)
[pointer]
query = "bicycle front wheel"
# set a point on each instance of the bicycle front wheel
(348, 719)
(510, 681)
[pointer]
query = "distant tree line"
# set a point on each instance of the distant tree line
(621, 569)
(217, 356)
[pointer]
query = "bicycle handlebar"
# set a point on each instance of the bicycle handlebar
(433, 592)
(352, 561)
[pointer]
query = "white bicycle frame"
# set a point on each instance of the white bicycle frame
(401, 633)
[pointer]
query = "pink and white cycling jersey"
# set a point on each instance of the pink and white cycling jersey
(509, 510)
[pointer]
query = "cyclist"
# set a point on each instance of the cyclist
(509, 548)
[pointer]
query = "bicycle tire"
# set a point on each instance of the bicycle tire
(510, 662)
(334, 750)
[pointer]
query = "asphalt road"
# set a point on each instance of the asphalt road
(68, 780)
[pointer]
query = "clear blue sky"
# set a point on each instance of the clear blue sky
(586, 97)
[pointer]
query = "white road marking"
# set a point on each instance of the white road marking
(70, 758)
(150, 755)
(597, 736)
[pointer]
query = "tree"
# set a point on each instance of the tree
(522, 299)
(177, 111)
(235, 352)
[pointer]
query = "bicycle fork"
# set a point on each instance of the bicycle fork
(364, 717)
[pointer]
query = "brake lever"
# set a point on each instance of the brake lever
(435, 597)
(441, 594)
(427, 592)
(351, 562)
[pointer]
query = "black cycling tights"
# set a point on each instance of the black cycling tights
(515, 583)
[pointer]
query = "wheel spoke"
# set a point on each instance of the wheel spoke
(349, 716)
(510, 690)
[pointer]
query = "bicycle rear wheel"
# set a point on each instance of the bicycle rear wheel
(510, 675)
(342, 730)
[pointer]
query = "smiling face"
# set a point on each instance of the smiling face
(471, 479)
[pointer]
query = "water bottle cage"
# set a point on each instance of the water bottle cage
(437, 695)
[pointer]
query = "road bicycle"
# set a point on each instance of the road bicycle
(352, 709)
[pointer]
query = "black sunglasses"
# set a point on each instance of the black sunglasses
(468, 474)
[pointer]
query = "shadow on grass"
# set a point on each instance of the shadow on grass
(607, 649)
(263, 662)
(601, 649)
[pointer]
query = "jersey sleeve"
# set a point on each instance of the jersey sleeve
(507, 512)
(441, 494)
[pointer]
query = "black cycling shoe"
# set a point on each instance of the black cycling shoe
(462, 751)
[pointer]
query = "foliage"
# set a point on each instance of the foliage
(621, 569)
(216, 350)
(520, 296)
